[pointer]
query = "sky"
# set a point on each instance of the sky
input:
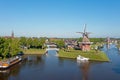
(60, 18)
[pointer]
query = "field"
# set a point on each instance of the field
(34, 51)
(92, 55)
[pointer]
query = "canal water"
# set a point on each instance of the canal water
(50, 67)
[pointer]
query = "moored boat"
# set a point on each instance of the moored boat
(10, 62)
(82, 58)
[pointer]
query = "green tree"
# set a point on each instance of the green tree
(23, 41)
(35, 42)
(14, 46)
(42, 42)
(9, 46)
(29, 42)
(95, 40)
(2, 41)
(60, 43)
(80, 39)
(3, 47)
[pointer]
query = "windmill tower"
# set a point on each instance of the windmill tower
(85, 44)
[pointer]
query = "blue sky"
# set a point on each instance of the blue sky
(59, 18)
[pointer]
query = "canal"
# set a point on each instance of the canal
(50, 67)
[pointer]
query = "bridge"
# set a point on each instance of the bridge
(52, 49)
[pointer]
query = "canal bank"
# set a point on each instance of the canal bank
(34, 51)
(92, 55)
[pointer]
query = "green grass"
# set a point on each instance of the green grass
(34, 51)
(92, 55)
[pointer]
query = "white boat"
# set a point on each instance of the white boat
(82, 58)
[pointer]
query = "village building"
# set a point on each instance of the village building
(12, 35)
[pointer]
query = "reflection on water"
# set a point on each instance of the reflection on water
(50, 67)
(12, 71)
(84, 66)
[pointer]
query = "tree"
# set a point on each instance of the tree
(80, 39)
(60, 43)
(42, 42)
(35, 42)
(14, 47)
(23, 42)
(95, 40)
(9, 46)
(29, 42)
(3, 47)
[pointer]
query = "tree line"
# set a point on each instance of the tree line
(12, 46)
(9, 47)
(94, 40)
(32, 42)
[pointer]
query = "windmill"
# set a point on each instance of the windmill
(85, 34)
(85, 44)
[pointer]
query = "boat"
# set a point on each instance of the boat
(81, 58)
(10, 62)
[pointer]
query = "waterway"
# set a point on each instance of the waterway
(50, 67)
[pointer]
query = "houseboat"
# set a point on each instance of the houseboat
(10, 62)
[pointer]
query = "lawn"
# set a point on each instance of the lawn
(92, 55)
(34, 51)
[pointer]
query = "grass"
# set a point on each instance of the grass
(92, 55)
(34, 51)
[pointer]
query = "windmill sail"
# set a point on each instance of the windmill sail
(85, 34)
(85, 44)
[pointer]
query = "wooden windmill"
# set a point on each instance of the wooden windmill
(85, 44)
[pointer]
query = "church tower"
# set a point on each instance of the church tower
(12, 34)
